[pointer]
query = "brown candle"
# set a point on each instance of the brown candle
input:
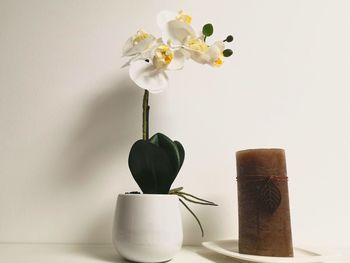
(263, 203)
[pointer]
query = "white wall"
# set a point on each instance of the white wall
(69, 114)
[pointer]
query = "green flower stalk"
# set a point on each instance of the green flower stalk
(145, 116)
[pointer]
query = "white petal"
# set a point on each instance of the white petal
(141, 56)
(146, 76)
(131, 50)
(177, 32)
(200, 57)
(178, 60)
(126, 64)
(215, 51)
(128, 47)
(220, 45)
(186, 53)
(164, 17)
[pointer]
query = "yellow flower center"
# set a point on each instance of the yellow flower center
(140, 36)
(183, 17)
(163, 55)
(219, 61)
(197, 44)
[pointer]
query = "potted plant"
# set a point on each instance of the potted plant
(147, 226)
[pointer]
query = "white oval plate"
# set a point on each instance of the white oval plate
(230, 248)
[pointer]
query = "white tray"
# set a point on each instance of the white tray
(230, 248)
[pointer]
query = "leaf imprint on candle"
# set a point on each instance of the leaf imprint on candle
(270, 195)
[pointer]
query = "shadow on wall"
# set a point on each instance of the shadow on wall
(106, 132)
(100, 137)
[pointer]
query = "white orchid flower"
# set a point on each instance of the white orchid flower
(151, 74)
(148, 77)
(215, 54)
(176, 27)
(177, 31)
(139, 43)
(138, 46)
(202, 53)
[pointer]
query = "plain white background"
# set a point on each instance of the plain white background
(69, 114)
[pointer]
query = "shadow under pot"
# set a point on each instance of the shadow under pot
(147, 227)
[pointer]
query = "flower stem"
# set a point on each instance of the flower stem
(145, 116)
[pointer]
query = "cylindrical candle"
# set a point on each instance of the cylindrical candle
(263, 203)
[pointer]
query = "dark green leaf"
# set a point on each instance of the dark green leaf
(171, 149)
(181, 150)
(207, 30)
(227, 52)
(151, 168)
(155, 163)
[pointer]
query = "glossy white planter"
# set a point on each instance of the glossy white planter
(147, 228)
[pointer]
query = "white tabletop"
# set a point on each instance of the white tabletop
(54, 253)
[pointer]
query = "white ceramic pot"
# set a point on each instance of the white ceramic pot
(147, 228)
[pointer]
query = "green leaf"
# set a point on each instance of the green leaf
(155, 163)
(151, 168)
(173, 149)
(227, 52)
(181, 150)
(207, 30)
